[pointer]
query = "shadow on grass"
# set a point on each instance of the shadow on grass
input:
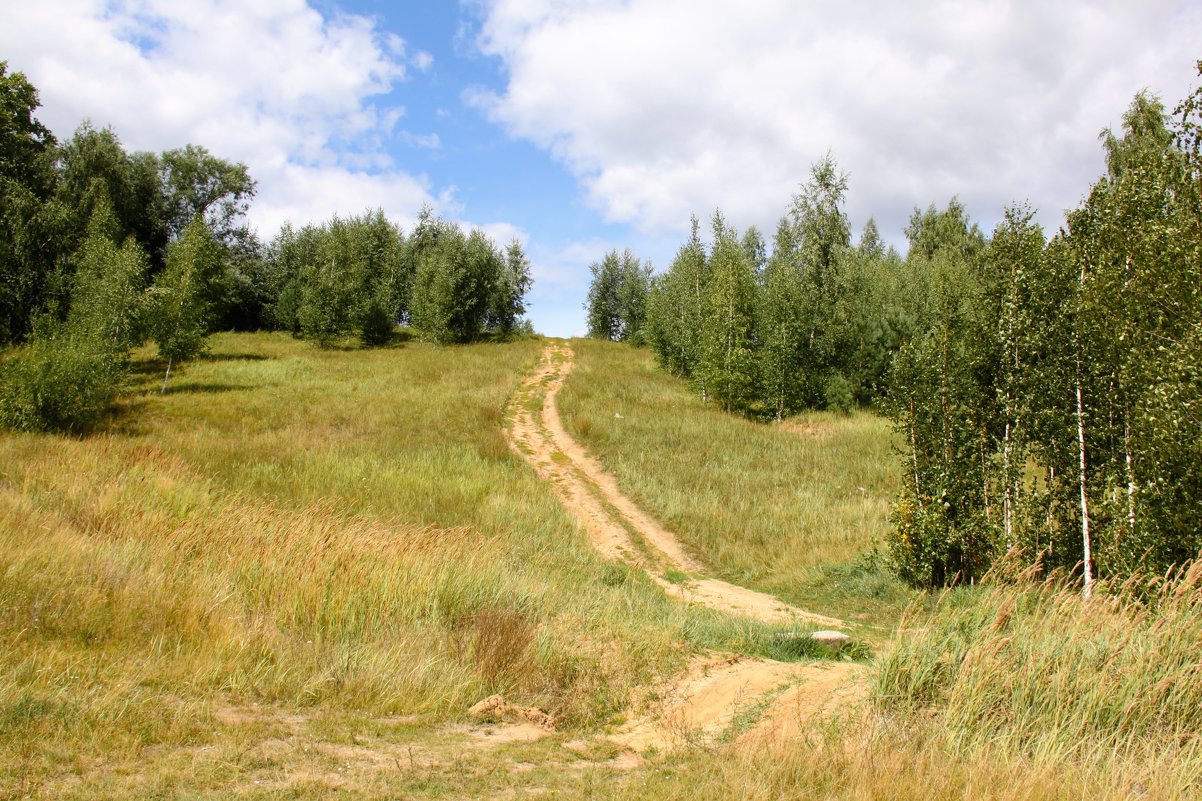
(197, 388)
(233, 357)
(351, 344)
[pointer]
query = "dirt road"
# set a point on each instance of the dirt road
(704, 703)
(617, 527)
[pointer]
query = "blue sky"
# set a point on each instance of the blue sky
(583, 125)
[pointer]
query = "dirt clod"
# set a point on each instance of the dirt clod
(495, 709)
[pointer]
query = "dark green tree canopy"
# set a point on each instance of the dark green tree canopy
(26, 145)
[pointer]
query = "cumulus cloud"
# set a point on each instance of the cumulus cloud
(300, 97)
(422, 60)
(662, 108)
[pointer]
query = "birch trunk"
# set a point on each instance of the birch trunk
(1007, 525)
(1086, 547)
(1130, 474)
(914, 455)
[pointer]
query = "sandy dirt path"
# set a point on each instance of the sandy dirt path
(720, 696)
(750, 701)
(611, 520)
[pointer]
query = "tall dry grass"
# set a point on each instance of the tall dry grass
(1040, 672)
(305, 530)
(307, 535)
(1007, 692)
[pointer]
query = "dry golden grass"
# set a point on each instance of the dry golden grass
(291, 575)
(307, 530)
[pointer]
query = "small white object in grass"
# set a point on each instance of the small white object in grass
(834, 639)
(617, 415)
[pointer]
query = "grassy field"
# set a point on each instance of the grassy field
(291, 575)
(1008, 692)
(794, 509)
(329, 537)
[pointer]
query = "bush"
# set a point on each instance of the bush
(62, 384)
(838, 394)
(375, 325)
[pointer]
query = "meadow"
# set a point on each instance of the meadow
(292, 574)
(796, 509)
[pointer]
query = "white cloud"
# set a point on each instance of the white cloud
(300, 97)
(561, 279)
(422, 60)
(501, 233)
(662, 108)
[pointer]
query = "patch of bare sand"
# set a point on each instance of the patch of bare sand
(736, 600)
(494, 735)
(825, 691)
(699, 706)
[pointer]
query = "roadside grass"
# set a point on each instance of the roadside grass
(1035, 670)
(793, 509)
(1006, 692)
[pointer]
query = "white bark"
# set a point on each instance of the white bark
(1130, 476)
(1087, 550)
(1086, 545)
(914, 456)
(1007, 524)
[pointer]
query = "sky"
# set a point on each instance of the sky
(579, 126)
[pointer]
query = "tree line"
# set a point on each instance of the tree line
(811, 323)
(362, 276)
(1047, 392)
(102, 250)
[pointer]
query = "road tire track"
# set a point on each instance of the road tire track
(536, 432)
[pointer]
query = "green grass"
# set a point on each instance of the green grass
(315, 534)
(291, 575)
(793, 509)
(1041, 673)
(1002, 692)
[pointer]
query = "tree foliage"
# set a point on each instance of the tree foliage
(616, 307)
(180, 305)
(1079, 380)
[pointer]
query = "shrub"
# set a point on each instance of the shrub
(838, 394)
(375, 325)
(63, 384)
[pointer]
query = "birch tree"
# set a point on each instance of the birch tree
(726, 368)
(180, 313)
